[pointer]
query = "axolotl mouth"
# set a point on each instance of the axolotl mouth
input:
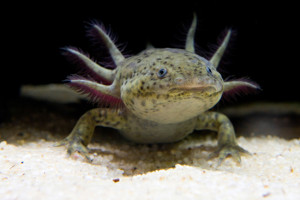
(209, 86)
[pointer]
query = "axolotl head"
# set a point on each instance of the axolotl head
(170, 85)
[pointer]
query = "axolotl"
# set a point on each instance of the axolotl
(162, 95)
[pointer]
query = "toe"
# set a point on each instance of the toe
(236, 156)
(81, 149)
(229, 150)
(244, 151)
(74, 146)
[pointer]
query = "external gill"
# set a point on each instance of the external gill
(116, 55)
(231, 85)
(105, 89)
(190, 40)
(113, 50)
(100, 71)
(215, 60)
(93, 87)
(104, 95)
(189, 45)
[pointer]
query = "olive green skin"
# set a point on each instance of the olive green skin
(161, 109)
(165, 95)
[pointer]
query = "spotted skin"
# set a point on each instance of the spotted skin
(166, 94)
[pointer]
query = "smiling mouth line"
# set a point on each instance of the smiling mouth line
(196, 85)
(202, 88)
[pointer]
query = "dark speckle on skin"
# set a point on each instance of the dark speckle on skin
(132, 64)
(216, 116)
(206, 124)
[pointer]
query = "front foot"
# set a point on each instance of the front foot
(74, 145)
(226, 150)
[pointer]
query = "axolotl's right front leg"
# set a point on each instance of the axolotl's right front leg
(227, 144)
(83, 131)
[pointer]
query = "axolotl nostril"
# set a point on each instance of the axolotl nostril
(162, 95)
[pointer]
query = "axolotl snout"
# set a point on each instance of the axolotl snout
(163, 95)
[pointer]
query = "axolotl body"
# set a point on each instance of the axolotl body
(163, 95)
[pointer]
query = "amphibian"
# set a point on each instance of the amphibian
(162, 95)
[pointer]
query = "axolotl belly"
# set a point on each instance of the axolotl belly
(160, 95)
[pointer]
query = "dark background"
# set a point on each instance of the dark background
(265, 46)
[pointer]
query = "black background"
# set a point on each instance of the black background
(265, 46)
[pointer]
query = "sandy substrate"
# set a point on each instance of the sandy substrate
(31, 168)
(37, 170)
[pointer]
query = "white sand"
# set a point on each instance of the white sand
(36, 170)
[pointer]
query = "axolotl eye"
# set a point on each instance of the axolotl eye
(208, 70)
(162, 73)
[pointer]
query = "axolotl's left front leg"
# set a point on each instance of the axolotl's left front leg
(227, 144)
